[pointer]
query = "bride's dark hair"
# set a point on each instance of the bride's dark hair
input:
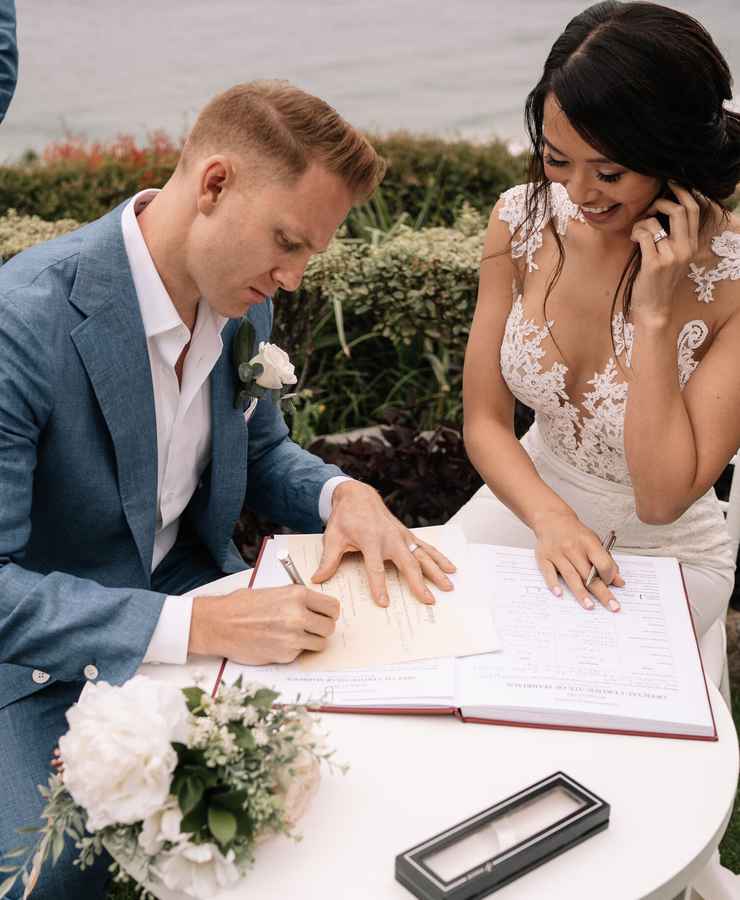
(644, 85)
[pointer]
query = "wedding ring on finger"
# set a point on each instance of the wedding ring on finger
(659, 235)
(414, 547)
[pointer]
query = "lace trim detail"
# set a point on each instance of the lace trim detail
(514, 213)
(727, 247)
(692, 336)
(594, 441)
(623, 333)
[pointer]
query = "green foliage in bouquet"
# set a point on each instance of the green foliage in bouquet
(230, 771)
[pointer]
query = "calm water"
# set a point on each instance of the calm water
(97, 68)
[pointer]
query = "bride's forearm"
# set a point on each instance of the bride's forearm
(504, 465)
(658, 437)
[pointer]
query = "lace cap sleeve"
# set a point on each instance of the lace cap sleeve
(527, 235)
(727, 247)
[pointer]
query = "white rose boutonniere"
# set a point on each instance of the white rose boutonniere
(269, 371)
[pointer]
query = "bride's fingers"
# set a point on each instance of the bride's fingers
(550, 574)
(604, 595)
(574, 580)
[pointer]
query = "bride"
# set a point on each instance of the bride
(623, 332)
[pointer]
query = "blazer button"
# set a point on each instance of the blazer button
(40, 677)
(90, 672)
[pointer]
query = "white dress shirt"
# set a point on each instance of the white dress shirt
(183, 417)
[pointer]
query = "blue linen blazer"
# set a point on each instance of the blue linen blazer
(78, 464)
(8, 55)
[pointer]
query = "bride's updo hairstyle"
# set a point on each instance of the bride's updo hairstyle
(644, 85)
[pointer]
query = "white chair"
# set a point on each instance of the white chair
(716, 882)
(713, 646)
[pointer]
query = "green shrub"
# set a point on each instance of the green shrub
(20, 232)
(83, 183)
(383, 326)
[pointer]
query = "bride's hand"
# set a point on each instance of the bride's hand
(565, 547)
(665, 264)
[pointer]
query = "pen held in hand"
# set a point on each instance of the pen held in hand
(608, 542)
(290, 567)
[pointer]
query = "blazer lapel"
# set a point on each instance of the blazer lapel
(112, 345)
(229, 452)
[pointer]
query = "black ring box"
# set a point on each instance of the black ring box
(416, 870)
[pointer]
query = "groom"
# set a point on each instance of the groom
(124, 463)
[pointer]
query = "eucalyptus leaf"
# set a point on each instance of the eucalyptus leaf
(264, 698)
(190, 793)
(194, 696)
(57, 846)
(232, 800)
(244, 737)
(221, 824)
(195, 820)
(8, 884)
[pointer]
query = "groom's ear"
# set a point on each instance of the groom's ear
(217, 173)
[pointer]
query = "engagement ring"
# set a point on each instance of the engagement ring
(413, 548)
(659, 235)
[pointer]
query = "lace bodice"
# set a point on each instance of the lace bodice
(592, 437)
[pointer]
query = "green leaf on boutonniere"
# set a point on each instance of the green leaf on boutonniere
(243, 344)
(242, 350)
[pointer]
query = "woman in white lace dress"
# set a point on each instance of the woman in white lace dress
(623, 331)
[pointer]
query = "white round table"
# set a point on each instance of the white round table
(412, 776)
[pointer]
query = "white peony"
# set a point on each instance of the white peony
(200, 870)
(162, 825)
(118, 755)
(277, 369)
(298, 782)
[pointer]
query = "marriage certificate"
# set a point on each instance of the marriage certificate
(459, 623)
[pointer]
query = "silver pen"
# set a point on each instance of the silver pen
(607, 544)
(290, 567)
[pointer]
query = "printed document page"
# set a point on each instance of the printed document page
(427, 684)
(586, 667)
(368, 635)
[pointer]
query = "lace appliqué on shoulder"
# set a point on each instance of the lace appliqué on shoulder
(514, 213)
(727, 247)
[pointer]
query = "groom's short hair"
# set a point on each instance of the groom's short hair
(288, 129)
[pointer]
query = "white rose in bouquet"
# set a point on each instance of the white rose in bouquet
(162, 825)
(277, 369)
(118, 754)
(200, 870)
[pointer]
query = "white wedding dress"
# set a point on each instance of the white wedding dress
(579, 452)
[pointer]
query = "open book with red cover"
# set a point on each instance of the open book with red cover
(637, 671)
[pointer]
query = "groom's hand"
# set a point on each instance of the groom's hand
(360, 520)
(266, 625)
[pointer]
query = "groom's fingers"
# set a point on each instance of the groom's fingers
(331, 556)
(375, 568)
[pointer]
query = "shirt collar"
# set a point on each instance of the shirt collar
(158, 312)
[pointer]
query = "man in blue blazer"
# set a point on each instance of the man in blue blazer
(124, 462)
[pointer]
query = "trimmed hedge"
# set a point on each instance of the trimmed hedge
(84, 185)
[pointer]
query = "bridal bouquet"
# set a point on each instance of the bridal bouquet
(178, 786)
